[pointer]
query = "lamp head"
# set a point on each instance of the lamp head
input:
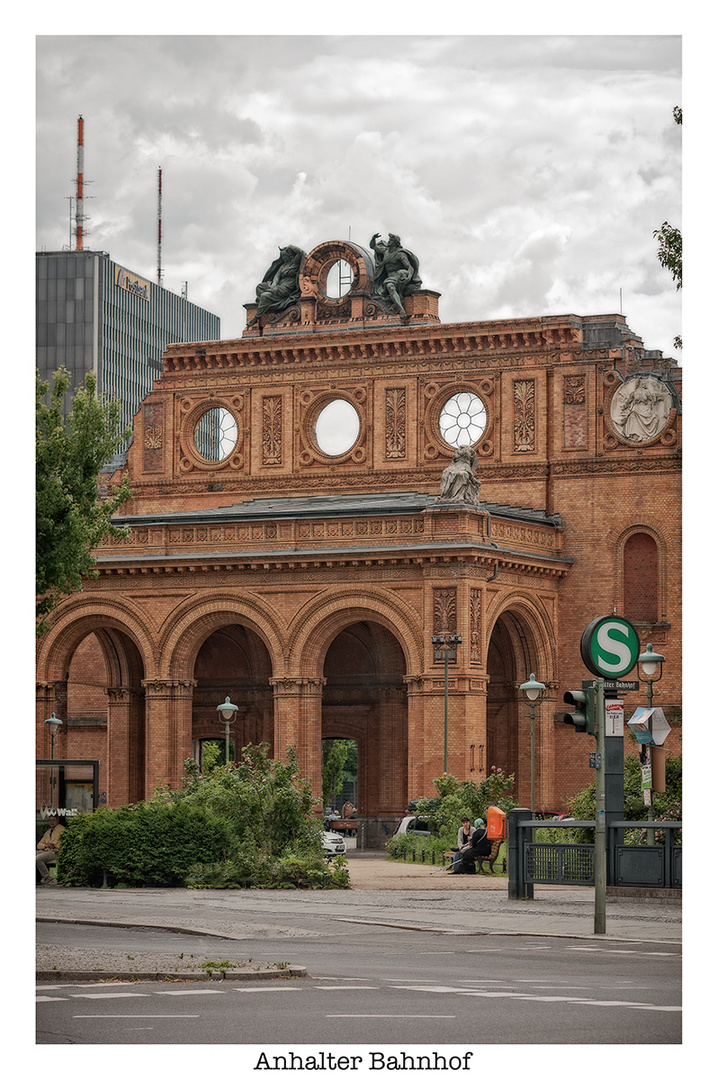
(532, 689)
(54, 724)
(650, 661)
(227, 711)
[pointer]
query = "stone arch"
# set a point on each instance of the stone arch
(226, 645)
(520, 641)
(359, 647)
(91, 671)
(319, 621)
(193, 622)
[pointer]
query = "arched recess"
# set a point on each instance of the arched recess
(226, 647)
(641, 562)
(90, 672)
(360, 646)
(521, 641)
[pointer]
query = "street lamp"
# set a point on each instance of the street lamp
(228, 714)
(446, 647)
(651, 664)
(533, 691)
(53, 726)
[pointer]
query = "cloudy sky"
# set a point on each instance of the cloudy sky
(527, 173)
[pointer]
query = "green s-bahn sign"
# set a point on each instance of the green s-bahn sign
(609, 647)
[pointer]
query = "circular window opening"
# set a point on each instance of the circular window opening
(337, 427)
(463, 419)
(339, 280)
(216, 434)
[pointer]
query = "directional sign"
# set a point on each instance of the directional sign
(649, 726)
(610, 647)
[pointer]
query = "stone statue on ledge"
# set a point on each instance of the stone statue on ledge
(279, 287)
(396, 270)
(459, 486)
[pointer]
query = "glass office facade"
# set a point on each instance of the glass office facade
(94, 315)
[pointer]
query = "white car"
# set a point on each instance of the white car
(333, 844)
(412, 826)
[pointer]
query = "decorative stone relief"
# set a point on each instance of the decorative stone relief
(153, 436)
(524, 415)
(396, 422)
(574, 413)
(444, 611)
(475, 642)
(271, 430)
(640, 409)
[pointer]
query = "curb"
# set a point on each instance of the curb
(168, 976)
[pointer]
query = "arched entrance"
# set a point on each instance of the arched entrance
(100, 698)
(364, 699)
(519, 644)
(232, 662)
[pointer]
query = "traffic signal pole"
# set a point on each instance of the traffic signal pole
(600, 826)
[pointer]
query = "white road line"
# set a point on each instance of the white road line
(271, 989)
(108, 995)
(177, 993)
(390, 1016)
(50, 999)
(133, 1016)
(517, 996)
(338, 988)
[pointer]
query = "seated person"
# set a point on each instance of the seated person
(480, 847)
(463, 839)
(48, 848)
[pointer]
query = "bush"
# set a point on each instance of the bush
(666, 806)
(457, 799)
(147, 844)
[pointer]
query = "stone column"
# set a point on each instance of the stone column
(168, 740)
(125, 746)
(297, 722)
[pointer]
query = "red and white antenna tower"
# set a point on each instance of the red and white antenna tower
(159, 227)
(80, 206)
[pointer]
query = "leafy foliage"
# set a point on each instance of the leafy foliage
(146, 844)
(666, 806)
(334, 753)
(249, 824)
(456, 799)
(70, 518)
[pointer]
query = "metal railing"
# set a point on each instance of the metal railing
(631, 865)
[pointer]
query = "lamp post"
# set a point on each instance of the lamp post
(533, 691)
(651, 664)
(53, 726)
(228, 714)
(446, 647)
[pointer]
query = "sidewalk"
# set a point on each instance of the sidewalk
(383, 893)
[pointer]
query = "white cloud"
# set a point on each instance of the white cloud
(526, 173)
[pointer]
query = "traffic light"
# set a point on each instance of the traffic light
(582, 716)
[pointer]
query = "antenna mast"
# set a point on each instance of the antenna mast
(80, 205)
(159, 226)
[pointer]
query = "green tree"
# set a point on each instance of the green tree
(71, 519)
(334, 753)
(669, 241)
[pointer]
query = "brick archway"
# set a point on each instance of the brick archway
(521, 641)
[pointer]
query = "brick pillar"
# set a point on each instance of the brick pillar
(50, 697)
(414, 747)
(125, 746)
(168, 731)
(297, 722)
(392, 750)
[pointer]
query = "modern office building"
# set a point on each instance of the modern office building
(94, 315)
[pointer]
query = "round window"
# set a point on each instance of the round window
(337, 427)
(463, 419)
(339, 280)
(216, 434)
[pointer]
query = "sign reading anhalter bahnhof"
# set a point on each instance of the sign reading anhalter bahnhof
(609, 647)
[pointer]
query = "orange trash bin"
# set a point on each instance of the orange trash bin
(495, 823)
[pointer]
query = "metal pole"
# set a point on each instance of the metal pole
(445, 710)
(648, 756)
(532, 760)
(226, 743)
(600, 834)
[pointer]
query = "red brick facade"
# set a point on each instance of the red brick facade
(306, 586)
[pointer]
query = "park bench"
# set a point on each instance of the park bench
(490, 859)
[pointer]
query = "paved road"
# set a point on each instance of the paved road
(387, 986)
